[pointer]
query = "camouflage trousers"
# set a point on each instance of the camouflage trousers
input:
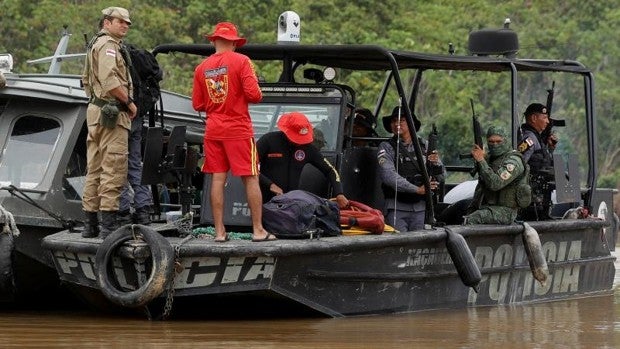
(492, 215)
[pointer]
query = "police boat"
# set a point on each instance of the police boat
(42, 169)
(168, 268)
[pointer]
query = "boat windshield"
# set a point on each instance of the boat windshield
(28, 151)
(322, 106)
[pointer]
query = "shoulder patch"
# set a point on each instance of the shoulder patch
(505, 175)
(525, 145)
(110, 52)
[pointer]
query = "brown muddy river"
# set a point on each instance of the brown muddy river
(583, 323)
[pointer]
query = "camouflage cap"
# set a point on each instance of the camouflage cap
(117, 12)
(496, 130)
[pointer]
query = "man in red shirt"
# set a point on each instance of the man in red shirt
(224, 84)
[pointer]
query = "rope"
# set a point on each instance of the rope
(18, 193)
(209, 233)
(9, 222)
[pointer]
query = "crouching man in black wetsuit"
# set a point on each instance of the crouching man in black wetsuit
(283, 155)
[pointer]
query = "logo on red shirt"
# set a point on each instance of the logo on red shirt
(217, 84)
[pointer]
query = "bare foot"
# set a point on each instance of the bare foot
(265, 236)
(221, 235)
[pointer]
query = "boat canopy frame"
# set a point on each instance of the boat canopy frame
(378, 58)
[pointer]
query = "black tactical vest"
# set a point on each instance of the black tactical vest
(408, 168)
(541, 158)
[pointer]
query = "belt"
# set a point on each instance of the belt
(101, 102)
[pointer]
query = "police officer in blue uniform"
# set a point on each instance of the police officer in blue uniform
(401, 177)
(538, 154)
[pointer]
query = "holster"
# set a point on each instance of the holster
(110, 111)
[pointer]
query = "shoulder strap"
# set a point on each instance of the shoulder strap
(90, 45)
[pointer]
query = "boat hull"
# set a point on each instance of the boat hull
(361, 275)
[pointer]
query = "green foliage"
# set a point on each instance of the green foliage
(572, 29)
(610, 180)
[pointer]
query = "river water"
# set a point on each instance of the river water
(583, 323)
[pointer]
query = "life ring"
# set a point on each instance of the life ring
(7, 281)
(162, 271)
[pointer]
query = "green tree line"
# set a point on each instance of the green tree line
(572, 29)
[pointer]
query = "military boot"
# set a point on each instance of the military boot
(142, 215)
(91, 225)
(109, 223)
(124, 217)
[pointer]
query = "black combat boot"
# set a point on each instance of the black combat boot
(91, 225)
(142, 215)
(109, 223)
(124, 217)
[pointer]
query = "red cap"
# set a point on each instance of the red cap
(226, 31)
(296, 127)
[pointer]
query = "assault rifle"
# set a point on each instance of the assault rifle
(433, 137)
(477, 131)
(434, 170)
(548, 131)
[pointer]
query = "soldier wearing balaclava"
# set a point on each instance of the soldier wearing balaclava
(502, 181)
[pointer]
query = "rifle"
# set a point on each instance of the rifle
(477, 131)
(433, 138)
(548, 131)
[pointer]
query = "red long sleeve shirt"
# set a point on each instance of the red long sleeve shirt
(224, 84)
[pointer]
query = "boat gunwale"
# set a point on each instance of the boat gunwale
(73, 242)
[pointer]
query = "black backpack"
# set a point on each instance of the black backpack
(299, 214)
(146, 75)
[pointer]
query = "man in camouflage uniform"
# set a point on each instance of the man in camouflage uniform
(501, 182)
(107, 83)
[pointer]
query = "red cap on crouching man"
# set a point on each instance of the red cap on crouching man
(296, 127)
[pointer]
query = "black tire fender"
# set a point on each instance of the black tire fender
(161, 274)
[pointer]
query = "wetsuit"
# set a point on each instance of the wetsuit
(281, 162)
